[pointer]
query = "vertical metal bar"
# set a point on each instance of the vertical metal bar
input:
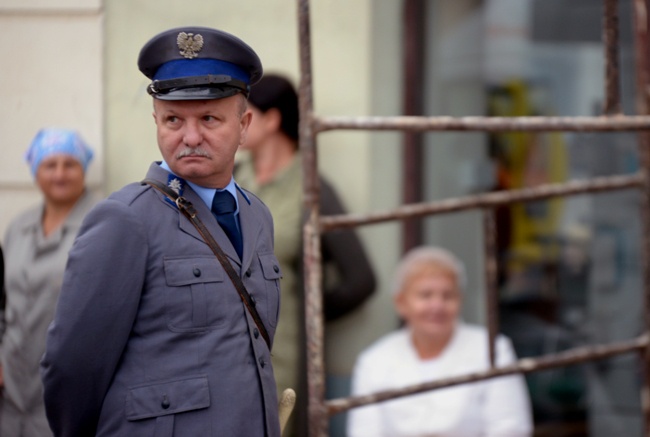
(413, 42)
(492, 293)
(643, 107)
(612, 104)
(642, 55)
(317, 412)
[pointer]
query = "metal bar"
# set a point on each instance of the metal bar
(484, 124)
(526, 365)
(612, 104)
(317, 414)
(310, 126)
(642, 71)
(492, 293)
(641, 43)
(413, 66)
(484, 200)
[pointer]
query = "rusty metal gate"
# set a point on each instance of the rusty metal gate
(610, 120)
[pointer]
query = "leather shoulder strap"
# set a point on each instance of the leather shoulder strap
(186, 207)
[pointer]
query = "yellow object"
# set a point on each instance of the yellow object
(285, 406)
(529, 159)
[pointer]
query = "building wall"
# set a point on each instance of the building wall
(51, 76)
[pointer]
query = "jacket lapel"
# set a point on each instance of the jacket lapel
(250, 228)
(203, 213)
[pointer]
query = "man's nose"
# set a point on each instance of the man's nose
(192, 136)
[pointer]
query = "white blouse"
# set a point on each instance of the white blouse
(498, 407)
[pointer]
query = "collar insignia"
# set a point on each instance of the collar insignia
(189, 44)
(176, 184)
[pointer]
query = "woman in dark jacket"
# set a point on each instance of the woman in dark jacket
(273, 171)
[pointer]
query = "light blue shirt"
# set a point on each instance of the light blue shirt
(207, 194)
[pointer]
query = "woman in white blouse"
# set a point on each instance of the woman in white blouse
(436, 344)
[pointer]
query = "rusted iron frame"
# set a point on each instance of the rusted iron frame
(490, 272)
(413, 104)
(612, 104)
(317, 413)
(485, 200)
(314, 125)
(642, 103)
(484, 124)
(525, 365)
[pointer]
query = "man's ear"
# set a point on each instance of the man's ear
(244, 123)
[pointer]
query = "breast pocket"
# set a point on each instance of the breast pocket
(193, 288)
(272, 274)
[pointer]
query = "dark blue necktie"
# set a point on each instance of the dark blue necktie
(223, 208)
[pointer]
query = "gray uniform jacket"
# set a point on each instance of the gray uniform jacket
(150, 337)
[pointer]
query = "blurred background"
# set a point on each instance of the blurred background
(570, 269)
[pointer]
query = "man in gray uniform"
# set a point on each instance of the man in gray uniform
(151, 336)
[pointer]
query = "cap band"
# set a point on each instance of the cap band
(200, 67)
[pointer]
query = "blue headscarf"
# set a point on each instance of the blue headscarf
(50, 142)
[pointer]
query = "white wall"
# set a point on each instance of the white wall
(51, 76)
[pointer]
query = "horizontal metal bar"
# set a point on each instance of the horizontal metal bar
(483, 124)
(525, 365)
(491, 199)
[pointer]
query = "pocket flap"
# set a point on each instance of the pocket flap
(169, 397)
(194, 270)
(270, 266)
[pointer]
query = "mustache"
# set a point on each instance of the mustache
(189, 151)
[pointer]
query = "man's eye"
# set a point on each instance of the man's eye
(172, 119)
(208, 118)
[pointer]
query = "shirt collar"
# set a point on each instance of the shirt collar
(207, 194)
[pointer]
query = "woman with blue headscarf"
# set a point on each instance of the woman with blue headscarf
(36, 249)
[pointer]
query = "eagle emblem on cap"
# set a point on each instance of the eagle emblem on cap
(189, 44)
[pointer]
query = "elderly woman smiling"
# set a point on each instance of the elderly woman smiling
(436, 344)
(36, 247)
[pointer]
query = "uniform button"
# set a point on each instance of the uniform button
(165, 402)
(253, 300)
(248, 273)
(256, 333)
(262, 362)
(276, 269)
(197, 272)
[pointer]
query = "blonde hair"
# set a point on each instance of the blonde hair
(428, 257)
